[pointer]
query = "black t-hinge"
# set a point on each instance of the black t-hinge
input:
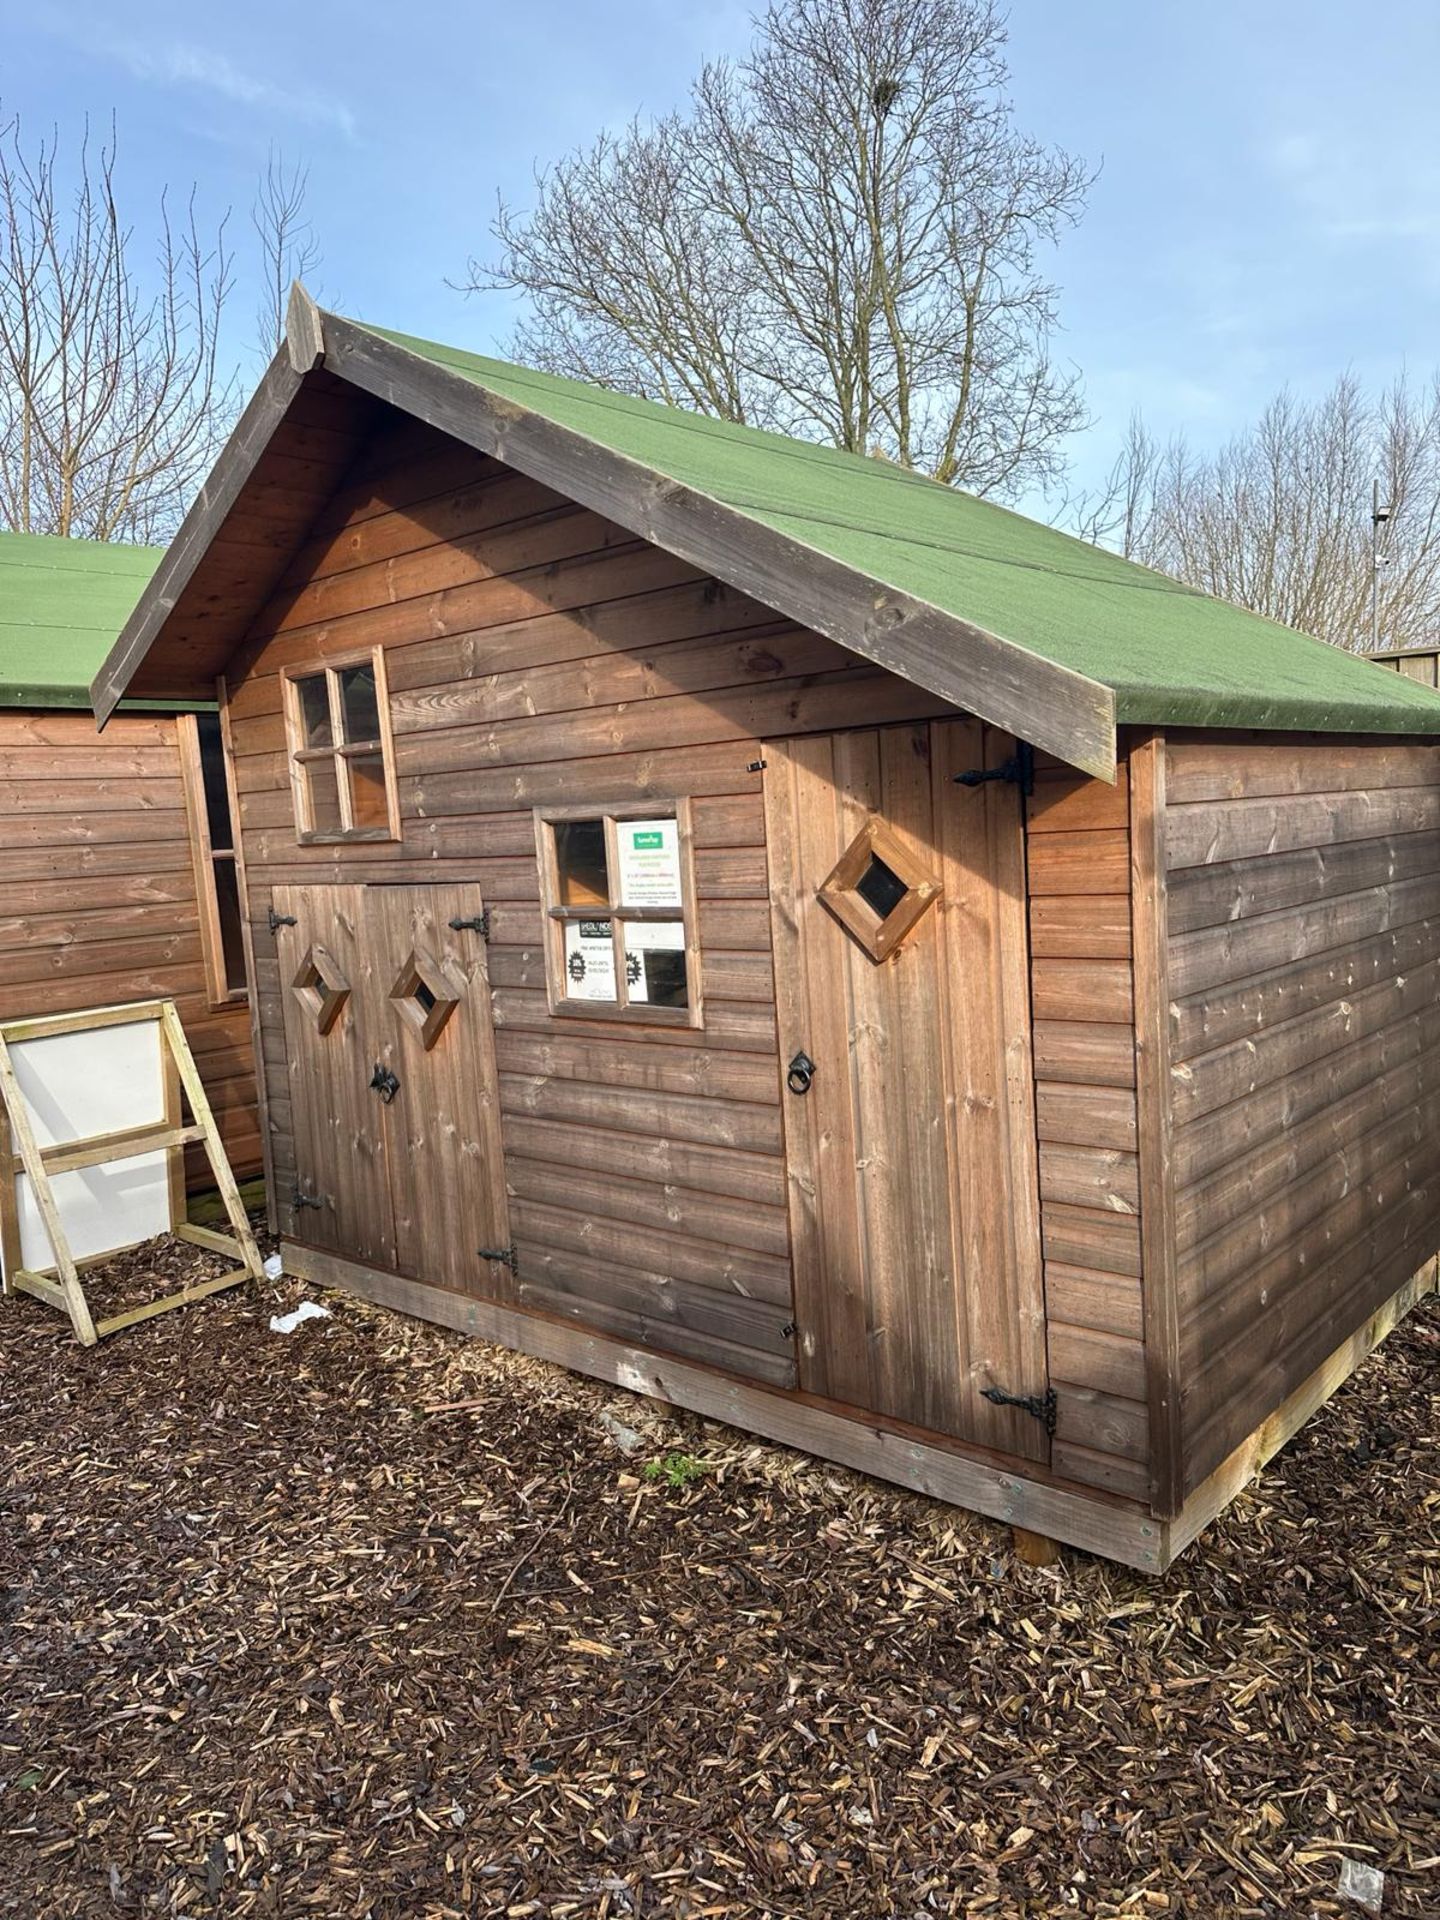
(1020, 768)
(480, 924)
(1040, 1406)
(506, 1257)
(279, 920)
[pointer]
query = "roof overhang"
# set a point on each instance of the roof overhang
(1050, 706)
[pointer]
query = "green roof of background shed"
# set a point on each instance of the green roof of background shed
(1171, 654)
(62, 602)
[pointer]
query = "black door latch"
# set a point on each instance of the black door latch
(1040, 1406)
(384, 1082)
(800, 1072)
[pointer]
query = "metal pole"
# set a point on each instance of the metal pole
(1375, 566)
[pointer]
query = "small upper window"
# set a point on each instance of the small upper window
(619, 938)
(341, 760)
(212, 843)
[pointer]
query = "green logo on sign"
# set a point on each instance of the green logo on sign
(639, 840)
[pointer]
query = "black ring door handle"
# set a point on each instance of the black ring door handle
(800, 1073)
(383, 1082)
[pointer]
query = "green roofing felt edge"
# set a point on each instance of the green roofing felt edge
(1171, 654)
(62, 603)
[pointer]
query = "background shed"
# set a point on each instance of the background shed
(117, 869)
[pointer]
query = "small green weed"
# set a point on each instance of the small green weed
(676, 1470)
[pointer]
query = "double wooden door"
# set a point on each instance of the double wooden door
(901, 963)
(395, 1109)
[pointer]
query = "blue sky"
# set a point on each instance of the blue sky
(1268, 209)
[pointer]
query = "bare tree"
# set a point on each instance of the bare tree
(840, 237)
(288, 247)
(111, 401)
(1279, 518)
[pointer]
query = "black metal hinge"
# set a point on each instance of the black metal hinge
(303, 1199)
(506, 1256)
(479, 924)
(1040, 1406)
(1020, 768)
(278, 920)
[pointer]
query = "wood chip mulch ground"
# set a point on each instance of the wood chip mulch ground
(369, 1620)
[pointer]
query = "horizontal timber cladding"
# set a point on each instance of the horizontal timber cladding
(1084, 1010)
(1304, 974)
(538, 656)
(97, 896)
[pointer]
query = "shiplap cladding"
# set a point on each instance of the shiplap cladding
(97, 895)
(1083, 1007)
(1304, 902)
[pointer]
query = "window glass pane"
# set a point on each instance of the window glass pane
(880, 887)
(232, 944)
(580, 863)
(369, 807)
(359, 707)
(313, 697)
(212, 772)
(589, 961)
(323, 788)
(655, 963)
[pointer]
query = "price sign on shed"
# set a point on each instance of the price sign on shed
(649, 863)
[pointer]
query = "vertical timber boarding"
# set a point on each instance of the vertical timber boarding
(911, 1154)
(98, 900)
(1304, 895)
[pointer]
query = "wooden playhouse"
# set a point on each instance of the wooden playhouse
(755, 925)
(118, 877)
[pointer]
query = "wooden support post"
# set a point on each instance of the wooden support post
(1035, 1549)
(219, 1166)
(72, 1293)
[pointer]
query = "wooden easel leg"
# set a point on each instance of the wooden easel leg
(31, 1159)
(179, 1049)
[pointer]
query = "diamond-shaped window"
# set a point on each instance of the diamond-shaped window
(321, 988)
(878, 889)
(425, 995)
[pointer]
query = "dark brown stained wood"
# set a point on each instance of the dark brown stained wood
(729, 1271)
(906, 1321)
(1080, 926)
(1306, 1086)
(1155, 1112)
(1223, 769)
(272, 451)
(1216, 957)
(1231, 1134)
(756, 1178)
(98, 900)
(705, 1121)
(703, 1216)
(447, 1172)
(1084, 862)
(1232, 1072)
(340, 1141)
(1083, 990)
(1078, 835)
(1215, 1015)
(1216, 831)
(1215, 896)
(1058, 709)
(1084, 1052)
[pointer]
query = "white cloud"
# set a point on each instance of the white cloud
(189, 67)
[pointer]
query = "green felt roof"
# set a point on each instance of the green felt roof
(1171, 655)
(62, 602)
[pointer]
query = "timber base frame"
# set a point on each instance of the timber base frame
(1113, 1529)
(59, 1285)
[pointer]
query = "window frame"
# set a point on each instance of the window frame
(205, 856)
(301, 758)
(556, 915)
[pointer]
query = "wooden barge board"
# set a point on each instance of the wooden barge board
(1114, 1529)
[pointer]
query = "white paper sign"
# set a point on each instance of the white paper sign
(649, 862)
(589, 961)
